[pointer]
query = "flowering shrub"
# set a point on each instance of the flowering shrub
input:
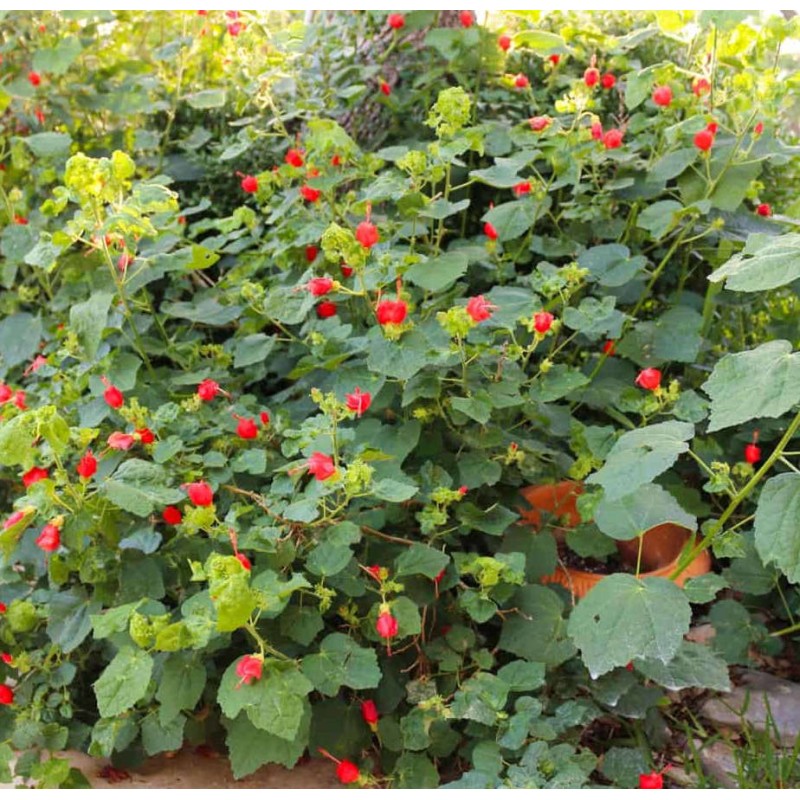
(269, 396)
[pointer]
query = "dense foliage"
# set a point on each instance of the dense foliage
(292, 309)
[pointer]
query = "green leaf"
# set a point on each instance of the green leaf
(522, 676)
(402, 359)
(440, 272)
(631, 515)
(538, 631)
(6, 760)
(695, 665)
(208, 311)
(88, 320)
(249, 747)
(181, 686)
(160, 737)
(477, 407)
(595, 317)
(69, 618)
(481, 698)
(393, 491)
(641, 455)
(660, 217)
(16, 440)
(138, 487)
(206, 98)
(704, 588)
(766, 262)
(764, 382)
(672, 164)
(415, 771)
(558, 382)
(20, 335)
(539, 41)
(674, 336)
(49, 145)
(409, 622)
(112, 621)
(638, 85)
(57, 60)
(252, 349)
(611, 265)
(419, 559)
(494, 520)
(328, 558)
(341, 662)
(123, 682)
(502, 175)
(510, 219)
(776, 525)
(623, 618)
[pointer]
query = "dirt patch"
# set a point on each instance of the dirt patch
(188, 770)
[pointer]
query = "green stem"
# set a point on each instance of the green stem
(742, 495)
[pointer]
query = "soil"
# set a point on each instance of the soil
(189, 769)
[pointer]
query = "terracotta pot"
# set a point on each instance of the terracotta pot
(661, 545)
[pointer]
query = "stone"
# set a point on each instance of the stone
(749, 702)
(718, 763)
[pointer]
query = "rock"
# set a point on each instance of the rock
(718, 763)
(750, 700)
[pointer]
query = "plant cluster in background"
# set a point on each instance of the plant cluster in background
(293, 308)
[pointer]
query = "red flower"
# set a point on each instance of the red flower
(121, 441)
(146, 436)
(247, 428)
(542, 321)
(294, 157)
(764, 210)
(524, 187)
(36, 364)
(521, 81)
(367, 234)
(19, 400)
(207, 390)
(87, 466)
(608, 80)
(232, 14)
(312, 251)
(479, 308)
(34, 475)
(249, 669)
(347, 772)
(539, 123)
(629, 666)
(20, 220)
(504, 42)
(752, 453)
(346, 271)
(591, 76)
(3, 608)
(466, 18)
(6, 695)
(385, 88)
(700, 86)
(358, 401)
(396, 21)
(438, 579)
(320, 466)
(391, 312)
(200, 493)
(612, 139)
(13, 520)
(649, 378)
(336, 161)
(39, 114)
(6, 658)
(326, 309)
(369, 712)
(597, 131)
(264, 417)
(112, 395)
(319, 286)
(462, 490)
(386, 625)
(202, 13)
(609, 348)
(375, 571)
(250, 184)
(235, 28)
(124, 261)
(172, 515)
(712, 127)
(758, 129)
(49, 539)
(310, 194)
(490, 231)
(703, 140)
(651, 780)
(34, 78)
(6, 393)
(662, 96)
(244, 561)
(554, 59)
